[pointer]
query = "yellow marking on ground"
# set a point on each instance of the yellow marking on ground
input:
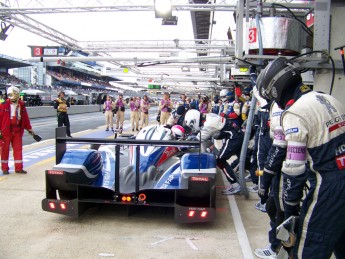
(3, 179)
(46, 161)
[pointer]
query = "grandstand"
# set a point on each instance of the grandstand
(83, 79)
(6, 63)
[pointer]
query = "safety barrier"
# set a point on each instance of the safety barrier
(49, 111)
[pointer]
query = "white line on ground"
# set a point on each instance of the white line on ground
(190, 243)
(240, 230)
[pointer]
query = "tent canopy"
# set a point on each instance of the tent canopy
(32, 92)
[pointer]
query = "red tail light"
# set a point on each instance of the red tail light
(52, 205)
(204, 214)
(63, 206)
(191, 213)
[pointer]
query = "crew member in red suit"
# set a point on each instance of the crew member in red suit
(13, 120)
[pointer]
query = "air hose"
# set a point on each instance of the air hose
(250, 118)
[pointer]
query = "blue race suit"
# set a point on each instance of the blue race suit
(232, 138)
(271, 178)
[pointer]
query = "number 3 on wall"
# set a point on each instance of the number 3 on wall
(37, 51)
(252, 35)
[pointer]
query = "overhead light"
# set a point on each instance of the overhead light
(170, 20)
(163, 8)
(4, 30)
(185, 69)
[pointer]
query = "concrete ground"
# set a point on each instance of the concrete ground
(28, 232)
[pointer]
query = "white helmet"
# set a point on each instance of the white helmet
(214, 121)
(178, 131)
(13, 93)
(192, 119)
(223, 94)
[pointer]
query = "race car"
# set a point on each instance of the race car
(156, 170)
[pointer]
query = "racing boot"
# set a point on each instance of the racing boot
(21, 172)
(235, 188)
(5, 172)
(265, 253)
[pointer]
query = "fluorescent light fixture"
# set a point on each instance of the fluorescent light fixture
(185, 69)
(163, 8)
(169, 20)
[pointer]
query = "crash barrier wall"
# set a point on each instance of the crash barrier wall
(49, 111)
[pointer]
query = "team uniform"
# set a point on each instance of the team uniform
(232, 138)
(120, 114)
(144, 107)
(134, 114)
(165, 108)
(108, 107)
(61, 105)
(14, 119)
(322, 224)
(272, 182)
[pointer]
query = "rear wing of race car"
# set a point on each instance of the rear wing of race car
(194, 201)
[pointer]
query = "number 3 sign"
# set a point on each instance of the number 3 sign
(37, 51)
(252, 35)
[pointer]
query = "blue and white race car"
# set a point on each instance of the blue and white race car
(152, 169)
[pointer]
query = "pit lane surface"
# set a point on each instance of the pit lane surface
(28, 232)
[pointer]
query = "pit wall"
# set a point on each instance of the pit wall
(49, 111)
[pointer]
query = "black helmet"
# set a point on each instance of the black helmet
(276, 79)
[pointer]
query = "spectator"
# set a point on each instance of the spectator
(14, 120)
(165, 108)
(108, 107)
(61, 105)
(145, 106)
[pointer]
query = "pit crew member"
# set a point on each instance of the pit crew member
(62, 106)
(14, 120)
(314, 128)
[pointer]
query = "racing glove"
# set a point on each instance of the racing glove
(263, 194)
(264, 186)
(293, 193)
(291, 210)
